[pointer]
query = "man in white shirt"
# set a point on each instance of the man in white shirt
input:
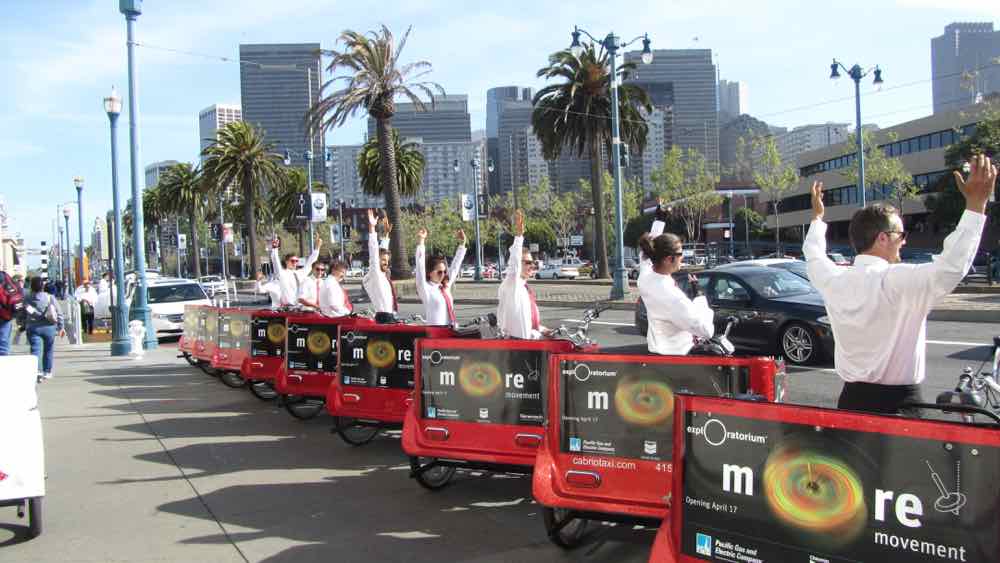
(878, 307)
(377, 282)
(271, 288)
(434, 281)
(86, 295)
(309, 290)
(287, 273)
(333, 298)
(517, 311)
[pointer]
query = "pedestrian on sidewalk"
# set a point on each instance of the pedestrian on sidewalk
(878, 307)
(517, 311)
(435, 280)
(86, 295)
(43, 320)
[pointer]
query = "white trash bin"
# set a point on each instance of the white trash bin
(22, 453)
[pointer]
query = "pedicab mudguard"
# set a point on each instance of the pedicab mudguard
(377, 370)
(312, 350)
(608, 447)
(208, 333)
(22, 452)
(480, 401)
(773, 482)
(233, 341)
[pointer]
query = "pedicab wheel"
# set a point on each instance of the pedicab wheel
(190, 359)
(35, 517)
(207, 369)
(431, 479)
(232, 379)
(263, 390)
(354, 433)
(303, 408)
(566, 534)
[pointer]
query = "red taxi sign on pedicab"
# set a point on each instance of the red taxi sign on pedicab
(377, 370)
(480, 404)
(232, 345)
(775, 483)
(608, 449)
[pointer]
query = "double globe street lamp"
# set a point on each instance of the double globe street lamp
(856, 74)
(612, 43)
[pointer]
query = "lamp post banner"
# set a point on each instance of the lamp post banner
(318, 208)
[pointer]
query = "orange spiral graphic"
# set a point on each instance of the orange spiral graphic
(644, 402)
(479, 379)
(381, 353)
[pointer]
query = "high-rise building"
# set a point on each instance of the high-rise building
(642, 166)
(213, 118)
(495, 98)
(809, 138)
(684, 81)
(278, 85)
(447, 121)
(155, 170)
(343, 178)
(732, 100)
(964, 67)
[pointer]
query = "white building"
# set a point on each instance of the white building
(732, 99)
(809, 138)
(213, 118)
(155, 170)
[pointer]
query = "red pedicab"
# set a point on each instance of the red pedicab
(480, 404)
(375, 387)
(208, 333)
(311, 355)
(186, 344)
(267, 351)
(232, 345)
(609, 439)
(773, 482)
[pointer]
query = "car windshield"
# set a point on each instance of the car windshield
(798, 268)
(175, 293)
(773, 283)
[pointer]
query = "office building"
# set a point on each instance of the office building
(641, 167)
(155, 170)
(732, 100)
(519, 152)
(743, 127)
(447, 121)
(807, 138)
(213, 118)
(683, 81)
(964, 65)
(495, 98)
(278, 85)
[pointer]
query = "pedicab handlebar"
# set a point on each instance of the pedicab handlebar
(578, 334)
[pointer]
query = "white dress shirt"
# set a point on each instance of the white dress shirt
(103, 286)
(290, 280)
(514, 309)
(435, 307)
(878, 311)
(333, 299)
(674, 318)
(310, 290)
(376, 283)
(88, 295)
(272, 289)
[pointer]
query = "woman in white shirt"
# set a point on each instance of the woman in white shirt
(517, 311)
(435, 280)
(674, 318)
(377, 282)
(333, 298)
(290, 277)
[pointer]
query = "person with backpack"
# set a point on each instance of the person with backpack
(11, 303)
(43, 320)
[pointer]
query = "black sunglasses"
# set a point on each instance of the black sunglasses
(902, 234)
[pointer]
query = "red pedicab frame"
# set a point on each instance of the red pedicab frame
(267, 352)
(232, 345)
(208, 332)
(186, 344)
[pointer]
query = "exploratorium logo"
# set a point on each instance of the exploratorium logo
(716, 433)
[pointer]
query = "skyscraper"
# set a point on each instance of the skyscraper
(213, 118)
(732, 100)
(964, 65)
(155, 170)
(447, 121)
(278, 85)
(495, 98)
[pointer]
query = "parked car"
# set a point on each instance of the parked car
(797, 267)
(557, 271)
(779, 312)
(838, 259)
(166, 298)
(355, 272)
(212, 284)
(632, 268)
(468, 272)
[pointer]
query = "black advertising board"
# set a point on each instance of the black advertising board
(625, 409)
(267, 337)
(775, 491)
(378, 359)
(312, 347)
(484, 385)
(234, 331)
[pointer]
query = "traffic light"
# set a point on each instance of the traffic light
(347, 231)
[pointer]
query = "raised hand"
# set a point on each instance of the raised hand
(276, 242)
(317, 241)
(422, 235)
(260, 276)
(461, 237)
(981, 183)
(817, 201)
(386, 225)
(372, 220)
(518, 223)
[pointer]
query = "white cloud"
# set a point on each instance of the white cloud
(963, 7)
(11, 149)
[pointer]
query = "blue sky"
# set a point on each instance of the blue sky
(59, 58)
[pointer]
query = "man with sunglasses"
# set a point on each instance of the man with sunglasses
(517, 312)
(289, 276)
(435, 280)
(333, 298)
(309, 290)
(878, 307)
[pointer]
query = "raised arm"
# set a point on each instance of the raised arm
(455, 270)
(276, 264)
(374, 263)
(420, 266)
(314, 256)
(514, 262)
(659, 224)
(822, 270)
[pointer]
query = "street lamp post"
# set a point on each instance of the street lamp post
(62, 257)
(78, 182)
(307, 155)
(131, 9)
(120, 344)
(612, 43)
(69, 251)
(340, 206)
(475, 210)
(856, 74)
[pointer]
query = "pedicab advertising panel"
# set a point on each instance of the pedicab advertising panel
(186, 344)
(480, 402)
(775, 483)
(608, 451)
(233, 344)
(208, 332)
(312, 350)
(267, 345)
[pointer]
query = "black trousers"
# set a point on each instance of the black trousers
(881, 399)
(88, 321)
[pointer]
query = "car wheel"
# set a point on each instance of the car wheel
(799, 344)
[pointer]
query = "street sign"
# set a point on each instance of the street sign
(318, 208)
(465, 200)
(300, 212)
(725, 233)
(533, 247)
(227, 233)
(562, 242)
(576, 240)
(484, 204)
(216, 231)
(347, 231)
(182, 243)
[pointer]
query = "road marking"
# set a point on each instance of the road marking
(953, 343)
(598, 322)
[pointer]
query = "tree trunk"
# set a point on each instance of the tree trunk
(196, 250)
(248, 218)
(387, 169)
(298, 235)
(777, 231)
(597, 193)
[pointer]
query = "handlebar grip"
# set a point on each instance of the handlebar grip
(964, 384)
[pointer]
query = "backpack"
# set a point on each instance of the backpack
(11, 298)
(48, 315)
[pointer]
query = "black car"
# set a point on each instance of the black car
(779, 312)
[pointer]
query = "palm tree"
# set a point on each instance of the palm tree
(575, 114)
(373, 81)
(240, 157)
(409, 167)
(183, 188)
(153, 214)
